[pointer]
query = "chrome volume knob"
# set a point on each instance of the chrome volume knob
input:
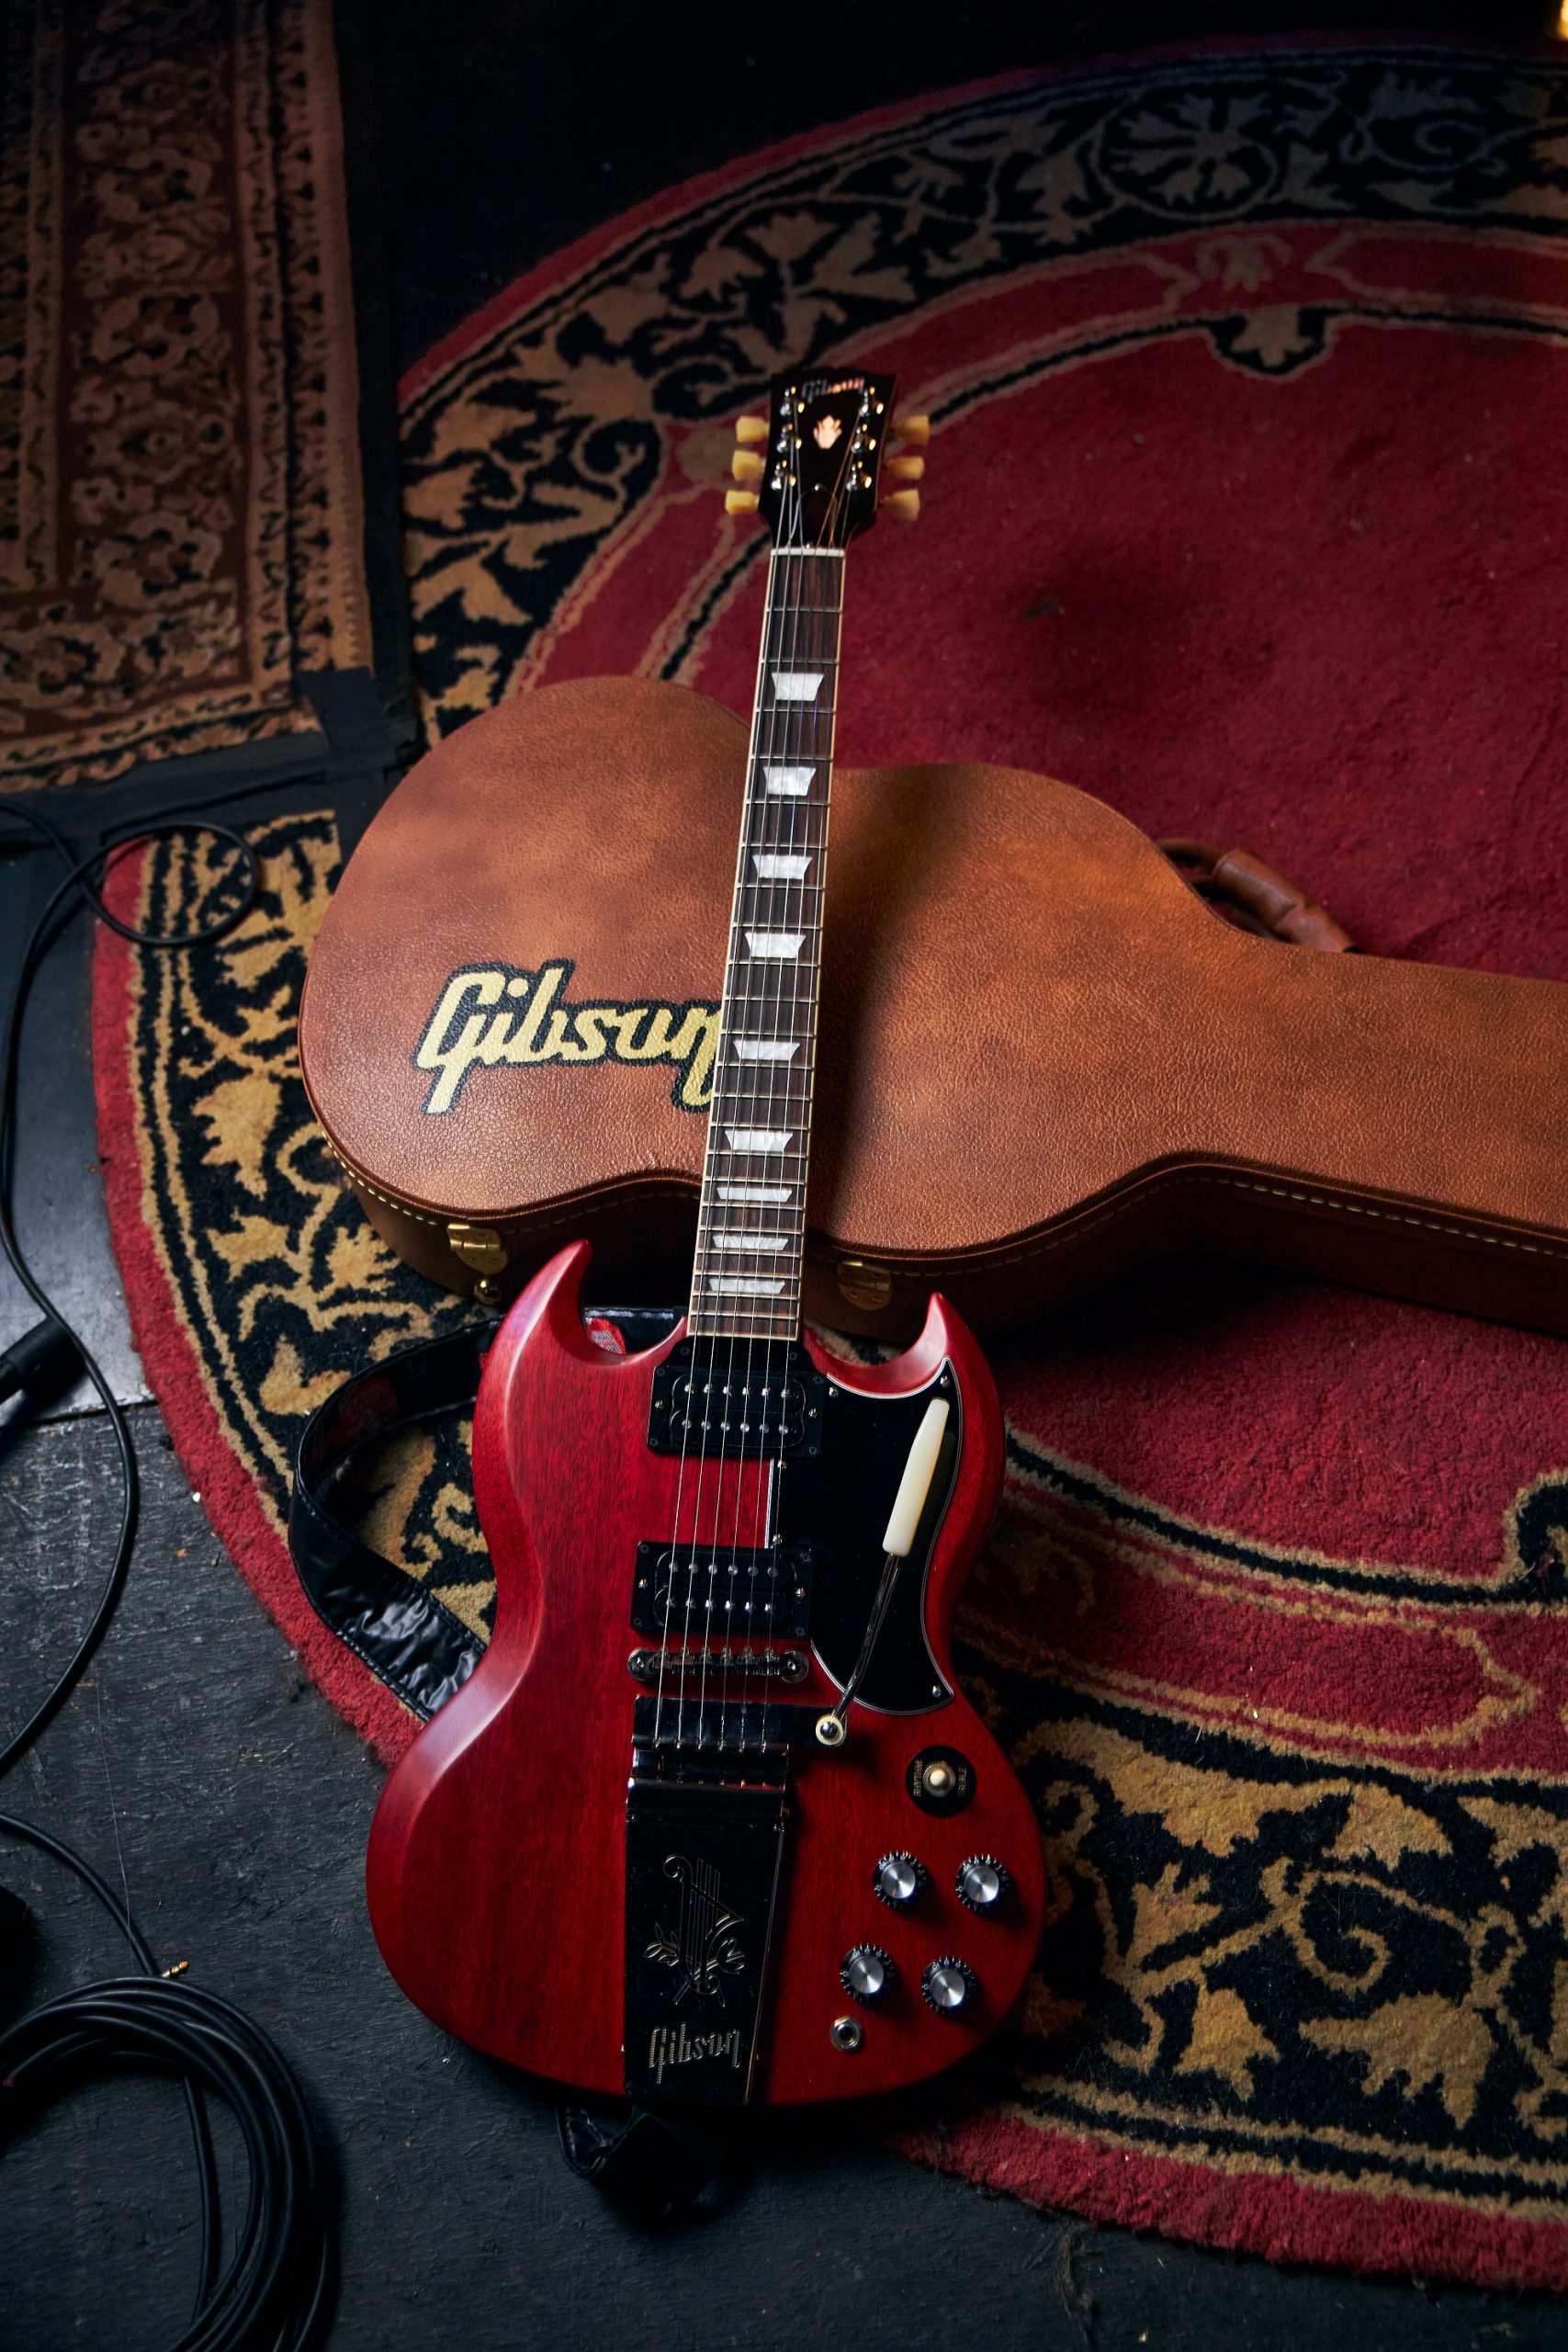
(867, 1973)
(898, 1879)
(982, 1882)
(949, 1985)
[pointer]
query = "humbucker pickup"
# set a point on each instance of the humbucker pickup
(722, 1592)
(710, 1398)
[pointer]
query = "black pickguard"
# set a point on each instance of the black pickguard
(839, 1501)
(832, 1494)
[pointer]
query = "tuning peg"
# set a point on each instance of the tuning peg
(904, 506)
(744, 501)
(906, 469)
(915, 430)
(746, 466)
(751, 429)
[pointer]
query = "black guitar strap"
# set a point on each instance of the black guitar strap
(660, 2167)
(407, 1638)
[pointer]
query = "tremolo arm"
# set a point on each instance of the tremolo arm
(909, 1502)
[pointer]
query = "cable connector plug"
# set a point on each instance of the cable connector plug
(43, 1361)
(14, 1930)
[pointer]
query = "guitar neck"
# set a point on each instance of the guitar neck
(751, 1217)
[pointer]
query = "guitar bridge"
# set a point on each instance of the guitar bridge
(769, 1666)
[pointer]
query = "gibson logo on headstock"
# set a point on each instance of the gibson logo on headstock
(494, 1016)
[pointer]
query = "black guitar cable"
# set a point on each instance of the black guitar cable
(273, 2294)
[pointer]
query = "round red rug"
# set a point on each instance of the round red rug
(1243, 513)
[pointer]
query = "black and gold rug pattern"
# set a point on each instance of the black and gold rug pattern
(1267, 1955)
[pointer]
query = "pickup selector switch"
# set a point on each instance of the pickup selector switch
(949, 1985)
(897, 1881)
(981, 1882)
(867, 1973)
(940, 1780)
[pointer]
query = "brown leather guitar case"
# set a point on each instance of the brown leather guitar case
(1041, 1060)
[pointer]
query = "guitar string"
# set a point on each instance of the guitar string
(695, 1341)
(802, 623)
(809, 568)
(770, 655)
(812, 909)
(806, 719)
(786, 659)
(694, 1317)
(778, 624)
(777, 584)
(702, 1266)
(780, 652)
(776, 655)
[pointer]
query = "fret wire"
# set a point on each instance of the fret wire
(713, 1242)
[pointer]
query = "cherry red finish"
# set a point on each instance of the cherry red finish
(496, 1863)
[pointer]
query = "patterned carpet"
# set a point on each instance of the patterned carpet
(1242, 368)
(179, 476)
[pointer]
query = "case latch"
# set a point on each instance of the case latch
(479, 1246)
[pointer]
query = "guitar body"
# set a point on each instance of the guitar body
(510, 1899)
(1042, 1058)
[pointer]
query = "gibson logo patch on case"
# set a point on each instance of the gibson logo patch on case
(492, 1015)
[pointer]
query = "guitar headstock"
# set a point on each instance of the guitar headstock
(813, 468)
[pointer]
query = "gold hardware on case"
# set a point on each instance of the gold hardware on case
(479, 1246)
(864, 1284)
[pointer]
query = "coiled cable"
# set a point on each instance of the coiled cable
(273, 2292)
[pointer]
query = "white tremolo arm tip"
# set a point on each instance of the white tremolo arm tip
(916, 1483)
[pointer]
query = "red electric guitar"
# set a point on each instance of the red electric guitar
(712, 1821)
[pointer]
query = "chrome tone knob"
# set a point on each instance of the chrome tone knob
(867, 1973)
(898, 1879)
(982, 1882)
(949, 1985)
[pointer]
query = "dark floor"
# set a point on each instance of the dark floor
(210, 1781)
(201, 1770)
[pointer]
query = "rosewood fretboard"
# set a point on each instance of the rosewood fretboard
(752, 1219)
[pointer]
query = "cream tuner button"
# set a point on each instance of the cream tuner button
(982, 1882)
(898, 1879)
(867, 1973)
(949, 1985)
